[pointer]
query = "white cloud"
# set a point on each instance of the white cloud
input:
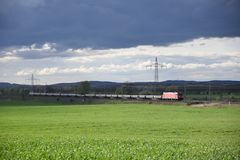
(7, 59)
(202, 47)
(81, 69)
(33, 47)
(24, 72)
(30, 52)
(79, 59)
(227, 64)
(47, 71)
(116, 68)
(200, 58)
(190, 66)
(210, 48)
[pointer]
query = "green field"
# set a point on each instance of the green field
(119, 131)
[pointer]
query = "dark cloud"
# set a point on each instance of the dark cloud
(115, 24)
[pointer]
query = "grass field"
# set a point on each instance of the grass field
(119, 131)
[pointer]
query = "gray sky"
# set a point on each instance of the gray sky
(68, 41)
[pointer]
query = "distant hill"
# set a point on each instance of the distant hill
(106, 84)
(5, 85)
(94, 84)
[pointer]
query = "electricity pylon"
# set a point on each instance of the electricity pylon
(32, 79)
(156, 66)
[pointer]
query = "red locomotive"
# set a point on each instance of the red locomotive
(172, 96)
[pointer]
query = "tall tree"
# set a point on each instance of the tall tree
(85, 87)
(128, 88)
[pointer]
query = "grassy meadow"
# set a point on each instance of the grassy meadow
(119, 131)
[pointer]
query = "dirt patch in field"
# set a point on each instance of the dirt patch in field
(207, 105)
(213, 104)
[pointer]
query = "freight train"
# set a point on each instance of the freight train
(164, 96)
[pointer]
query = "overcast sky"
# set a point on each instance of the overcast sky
(113, 40)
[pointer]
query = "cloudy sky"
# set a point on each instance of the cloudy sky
(114, 40)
